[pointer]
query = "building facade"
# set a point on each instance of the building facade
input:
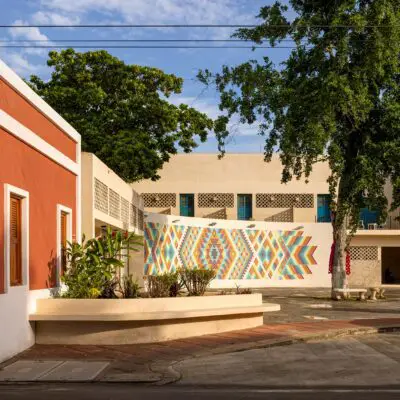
(237, 187)
(243, 187)
(109, 202)
(40, 204)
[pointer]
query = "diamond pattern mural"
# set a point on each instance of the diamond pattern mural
(232, 253)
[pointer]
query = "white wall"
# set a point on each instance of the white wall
(321, 236)
(16, 332)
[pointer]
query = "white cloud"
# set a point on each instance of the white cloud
(158, 11)
(52, 18)
(26, 33)
(29, 34)
(21, 65)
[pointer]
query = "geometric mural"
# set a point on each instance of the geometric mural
(232, 253)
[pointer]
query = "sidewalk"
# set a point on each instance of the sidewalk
(306, 315)
(151, 363)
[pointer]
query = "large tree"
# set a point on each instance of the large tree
(122, 111)
(335, 98)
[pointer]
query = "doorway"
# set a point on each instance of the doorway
(323, 209)
(245, 207)
(391, 265)
(187, 205)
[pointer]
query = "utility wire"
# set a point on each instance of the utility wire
(146, 47)
(190, 26)
(130, 40)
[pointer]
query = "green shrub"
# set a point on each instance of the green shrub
(93, 265)
(130, 287)
(243, 291)
(196, 280)
(163, 285)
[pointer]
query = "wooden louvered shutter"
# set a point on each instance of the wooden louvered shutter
(15, 242)
(63, 243)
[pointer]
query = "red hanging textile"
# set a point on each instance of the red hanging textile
(348, 263)
(332, 257)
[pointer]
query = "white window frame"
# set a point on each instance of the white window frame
(24, 195)
(61, 208)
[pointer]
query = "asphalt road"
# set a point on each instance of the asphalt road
(351, 368)
(354, 362)
(127, 391)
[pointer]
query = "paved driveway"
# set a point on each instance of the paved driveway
(365, 361)
(309, 304)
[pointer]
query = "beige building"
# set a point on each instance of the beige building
(239, 186)
(108, 201)
(244, 187)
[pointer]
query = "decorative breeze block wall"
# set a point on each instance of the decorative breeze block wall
(140, 219)
(133, 215)
(363, 253)
(114, 204)
(100, 196)
(284, 200)
(365, 267)
(214, 200)
(159, 200)
(110, 202)
(124, 210)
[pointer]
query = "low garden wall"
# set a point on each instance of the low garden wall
(128, 321)
(243, 253)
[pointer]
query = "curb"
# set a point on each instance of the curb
(300, 339)
(338, 333)
(165, 372)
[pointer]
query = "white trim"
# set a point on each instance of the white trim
(68, 211)
(35, 141)
(78, 228)
(18, 84)
(8, 190)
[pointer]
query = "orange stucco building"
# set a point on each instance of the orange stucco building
(39, 204)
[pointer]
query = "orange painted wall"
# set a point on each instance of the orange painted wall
(48, 184)
(19, 108)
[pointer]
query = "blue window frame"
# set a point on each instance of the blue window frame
(323, 209)
(186, 205)
(244, 206)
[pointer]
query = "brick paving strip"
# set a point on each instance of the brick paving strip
(154, 362)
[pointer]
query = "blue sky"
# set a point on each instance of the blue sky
(184, 63)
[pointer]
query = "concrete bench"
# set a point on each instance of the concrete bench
(145, 320)
(376, 293)
(346, 293)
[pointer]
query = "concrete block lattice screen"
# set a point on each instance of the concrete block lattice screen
(257, 254)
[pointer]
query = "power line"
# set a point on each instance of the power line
(130, 26)
(146, 47)
(129, 40)
(190, 26)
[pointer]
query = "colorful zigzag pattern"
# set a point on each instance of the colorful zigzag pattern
(232, 253)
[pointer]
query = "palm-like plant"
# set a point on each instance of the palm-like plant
(93, 265)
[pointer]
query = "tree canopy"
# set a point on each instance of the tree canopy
(122, 111)
(335, 98)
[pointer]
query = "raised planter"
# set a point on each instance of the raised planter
(127, 321)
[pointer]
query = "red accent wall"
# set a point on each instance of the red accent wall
(48, 184)
(24, 112)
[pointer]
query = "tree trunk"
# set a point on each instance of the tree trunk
(339, 224)
(339, 278)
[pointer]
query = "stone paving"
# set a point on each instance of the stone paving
(303, 304)
(366, 361)
(152, 362)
